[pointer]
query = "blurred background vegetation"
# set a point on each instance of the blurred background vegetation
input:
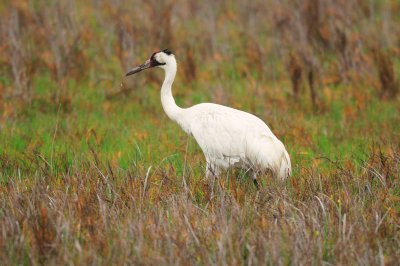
(63, 62)
(324, 75)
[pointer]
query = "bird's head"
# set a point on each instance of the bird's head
(161, 59)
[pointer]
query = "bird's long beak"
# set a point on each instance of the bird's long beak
(137, 69)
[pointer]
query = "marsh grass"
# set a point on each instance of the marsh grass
(93, 172)
(96, 213)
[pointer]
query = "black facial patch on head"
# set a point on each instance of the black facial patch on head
(154, 62)
(167, 51)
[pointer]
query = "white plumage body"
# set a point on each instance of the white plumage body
(227, 137)
(230, 137)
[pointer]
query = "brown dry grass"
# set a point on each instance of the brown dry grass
(76, 185)
(106, 216)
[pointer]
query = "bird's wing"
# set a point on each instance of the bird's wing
(223, 132)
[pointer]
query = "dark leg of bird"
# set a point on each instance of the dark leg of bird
(256, 183)
(254, 177)
(212, 172)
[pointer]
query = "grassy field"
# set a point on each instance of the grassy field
(93, 172)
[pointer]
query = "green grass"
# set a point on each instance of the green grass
(91, 173)
(134, 127)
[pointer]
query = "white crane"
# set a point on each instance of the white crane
(228, 137)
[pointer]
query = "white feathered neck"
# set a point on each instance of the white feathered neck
(172, 110)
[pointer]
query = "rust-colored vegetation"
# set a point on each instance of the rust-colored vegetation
(93, 172)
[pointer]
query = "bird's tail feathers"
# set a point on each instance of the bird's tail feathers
(285, 168)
